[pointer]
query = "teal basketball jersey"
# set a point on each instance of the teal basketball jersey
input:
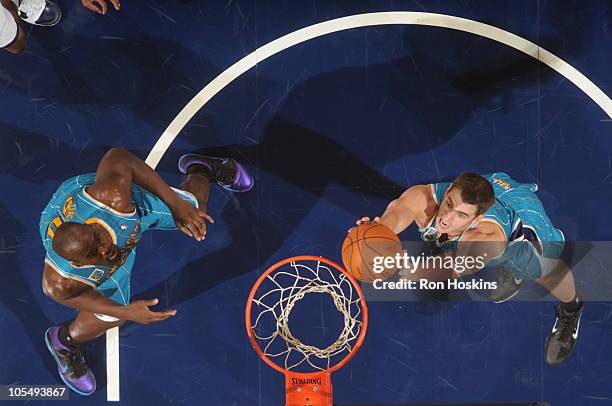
(71, 202)
(520, 214)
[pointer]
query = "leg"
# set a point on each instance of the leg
(560, 282)
(86, 327)
(197, 183)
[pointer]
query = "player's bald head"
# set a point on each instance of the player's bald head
(71, 240)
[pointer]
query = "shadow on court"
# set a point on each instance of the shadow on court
(17, 296)
(256, 233)
(37, 158)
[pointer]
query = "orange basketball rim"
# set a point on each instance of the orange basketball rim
(307, 368)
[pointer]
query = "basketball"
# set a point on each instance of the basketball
(363, 244)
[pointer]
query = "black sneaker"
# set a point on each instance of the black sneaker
(507, 286)
(562, 339)
(40, 12)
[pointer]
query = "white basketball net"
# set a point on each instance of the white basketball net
(289, 284)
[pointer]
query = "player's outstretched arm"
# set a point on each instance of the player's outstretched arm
(401, 212)
(77, 295)
(119, 168)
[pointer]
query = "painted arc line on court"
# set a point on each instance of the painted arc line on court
(328, 27)
(366, 20)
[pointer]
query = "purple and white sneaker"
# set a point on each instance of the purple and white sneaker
(225, 172)
(70, 364)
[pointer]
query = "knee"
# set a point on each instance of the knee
(19, 45)
(83, 331)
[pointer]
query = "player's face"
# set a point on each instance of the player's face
(454, 215)
(99, 248)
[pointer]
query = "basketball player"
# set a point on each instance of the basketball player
(38, 12)
(90, 230)
(520, 240)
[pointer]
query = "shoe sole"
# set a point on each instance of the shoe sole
(189, 156)
(237, 190)
(51, 24)
(508, 298)
(556, 364)
(50, 348)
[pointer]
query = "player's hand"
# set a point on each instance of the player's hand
(139, 312)
(190, 220)
(100, 6)
(366, 220)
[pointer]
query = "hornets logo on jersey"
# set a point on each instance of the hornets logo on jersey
(502, 183)
(69, 209)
